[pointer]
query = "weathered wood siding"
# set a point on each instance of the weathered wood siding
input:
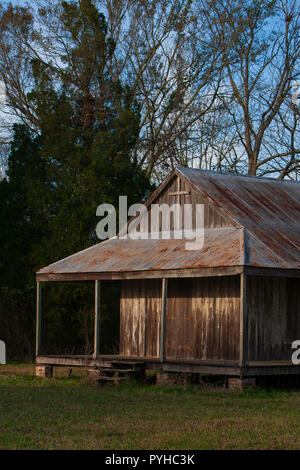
(202, 320)
(273, 317)
(140, 312)
(212, 217)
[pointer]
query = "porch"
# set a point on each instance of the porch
(214, 367)
(237, 367)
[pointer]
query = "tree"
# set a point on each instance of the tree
(260, 51)
(22, 225)
(58, 174)
(159, 48)
(174, 71)
(211, 77)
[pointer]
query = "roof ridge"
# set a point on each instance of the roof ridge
(243, 175)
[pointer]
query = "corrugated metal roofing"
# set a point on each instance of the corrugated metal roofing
(266, 210)
(117, 255)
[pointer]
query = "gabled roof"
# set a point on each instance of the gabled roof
(268, 209)
(265, 215)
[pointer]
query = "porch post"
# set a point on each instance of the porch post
(164, 292)
(38, 318)
(243, 320)
(97, 319)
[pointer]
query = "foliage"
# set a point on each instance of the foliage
(80, 158)
(213, 79)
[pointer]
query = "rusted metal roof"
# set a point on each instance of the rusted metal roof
(116, 255)
(266, 213)
(268, 209)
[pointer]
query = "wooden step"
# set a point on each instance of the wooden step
(119, 371)
(133, 365)
(102, 380)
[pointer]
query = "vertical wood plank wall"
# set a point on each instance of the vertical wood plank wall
(140, 311)
(212, 218)
(202, 319)
(273, 313)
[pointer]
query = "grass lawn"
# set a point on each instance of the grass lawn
(68, 413)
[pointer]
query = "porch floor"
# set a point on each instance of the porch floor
(209, 367)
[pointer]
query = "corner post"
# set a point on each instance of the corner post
(243, 320)
(164, 291)
(38, 318)
(97, 319)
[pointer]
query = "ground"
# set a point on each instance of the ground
(69, 413)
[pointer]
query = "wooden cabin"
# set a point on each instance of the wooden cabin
(230, 308)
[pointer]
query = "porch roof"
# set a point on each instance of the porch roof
(265, 233)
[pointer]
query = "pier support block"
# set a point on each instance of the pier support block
(241, 384)
(172, 378)
(93, 376)
(44, 371)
